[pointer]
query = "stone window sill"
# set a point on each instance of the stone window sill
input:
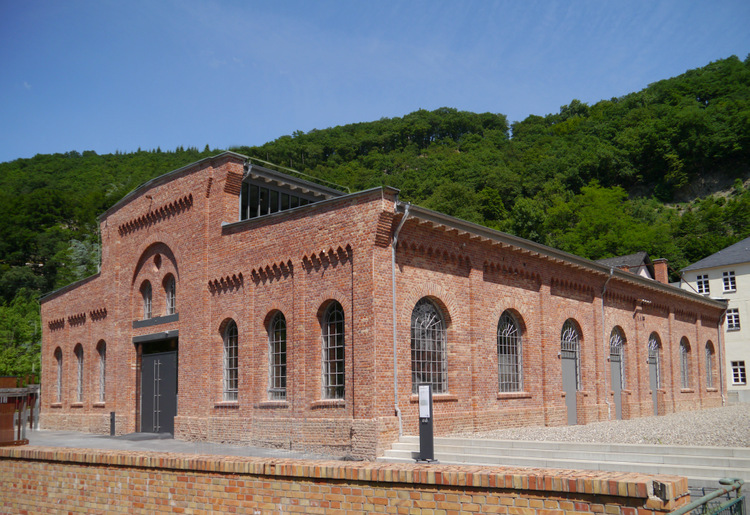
(687, 390)
(99, 405)
(436, 397)
(328, 403)
(77, 405)
(227, 405)
(273, 405)
(56, 405)
(513, 395)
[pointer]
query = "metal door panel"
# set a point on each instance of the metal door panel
(570, 387)
(158, 392)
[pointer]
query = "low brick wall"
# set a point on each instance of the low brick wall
(52, 480)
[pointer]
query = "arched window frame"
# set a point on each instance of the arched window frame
(709, 365)
(333, 347)
(429, 357)
(101, 349)
(146, 294)
(570, 338)
(170, 289)
(78, 351)
(509, 354)
(231, 363)
(59, 382)
(654, 352)
(684, 363)
(277, 332)
(617, 343)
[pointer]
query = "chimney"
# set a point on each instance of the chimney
(661, 272)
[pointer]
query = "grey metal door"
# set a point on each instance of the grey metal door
(158, 392)
(570, 385)
(653, 381)
(616, 367)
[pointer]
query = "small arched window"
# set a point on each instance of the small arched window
(569, 347)
(79, 375)
(617, 352)
(146, 294)
(429, 362)
(709, 365)
(684, 363)
(102, 351)
(333, 352)
(277, 357)
(509, 354)
(654, 356)
(59, 382)
(231, 362)
(171, 291)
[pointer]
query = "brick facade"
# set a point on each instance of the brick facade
(184, 225)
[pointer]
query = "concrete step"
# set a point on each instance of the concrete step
(703, 466)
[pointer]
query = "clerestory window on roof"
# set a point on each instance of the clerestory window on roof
(257, 200)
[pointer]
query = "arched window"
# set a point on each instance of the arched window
(617, 352)
(277, 358)
(102, 351)
(171, 291)
(59, 382)
(654, 356)
(146, 293)
(231, 377)
(709, 365)
(569, 347)
(79, 375)
(333, 352)
(429, 362)
(509, 354)
(684, 363)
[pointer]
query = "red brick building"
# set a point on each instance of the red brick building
(239, 304)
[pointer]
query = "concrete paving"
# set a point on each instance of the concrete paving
(160, 442)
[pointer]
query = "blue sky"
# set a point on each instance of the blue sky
(118, 75)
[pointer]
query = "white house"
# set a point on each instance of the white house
(726, 275)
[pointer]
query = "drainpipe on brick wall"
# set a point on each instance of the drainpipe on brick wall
(394, 244)
(606, 347)
(720, 357)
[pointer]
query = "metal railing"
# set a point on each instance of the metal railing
(718, 502)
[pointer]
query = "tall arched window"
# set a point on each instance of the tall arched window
(59, 382)
(569, 348)
(654, 356)
(429, 361)
(709, 365)
(102, 351)
(684, 363)
(79, 375)
(509, 354)
(277, 357)
(171, 291)
(231, 374)
(146, 293)
(333, 352)
(617, 352)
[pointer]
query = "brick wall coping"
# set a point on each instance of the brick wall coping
(620, 484)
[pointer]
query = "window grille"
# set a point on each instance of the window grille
(277, 358)
(685, 363)
(703, 285)
(79, 382)
(733, 319)
(738, 372)
(258, 201)
(729, 282)
(230, 362)
(709, 365)
(654, 356)
(171, 296)
(102, 371)
(617, 353)
(333, 352)
(429, 362)
(569, 348)
(59, 362)
(509, 355)
(146, 289)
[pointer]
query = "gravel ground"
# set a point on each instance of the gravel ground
(728, 426)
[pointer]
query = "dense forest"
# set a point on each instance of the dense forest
(665, 170)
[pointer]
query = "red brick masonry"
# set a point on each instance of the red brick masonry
(49, 480)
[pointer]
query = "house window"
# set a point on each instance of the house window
(703, 286)
(733, 319)
(654, 356)
(59, 382)
(146, 292)
(429, 362)
(709, 365)
(277, 358)
(616, 352)
(684, 363)
(171, 296)
(569, 348)
(230, 362)
(729, 282)
(509, 354)
(333, 352)
(79, 376)
(738, 372)
(102, 350)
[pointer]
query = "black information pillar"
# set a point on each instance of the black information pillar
(426, 443)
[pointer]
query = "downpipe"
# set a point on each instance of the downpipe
(606, 347)
(394, 244)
